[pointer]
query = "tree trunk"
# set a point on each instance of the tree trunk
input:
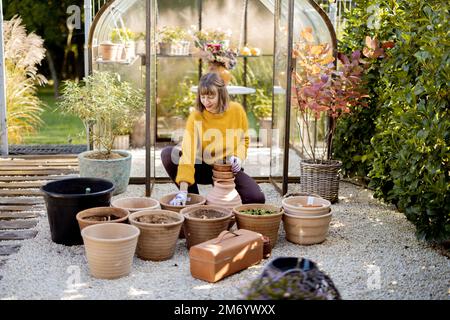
(51, 66)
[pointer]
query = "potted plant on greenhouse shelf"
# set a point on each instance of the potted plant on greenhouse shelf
(263, 111)
(322, 95)
(107, 106)
(173, 41)
(204, 36)
(126, 38)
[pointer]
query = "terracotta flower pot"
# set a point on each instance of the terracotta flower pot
(222, 166)
(306, 205)
(222, 174)
(193, 200)
(134, 204)
(159, 233)
(203, 223)
(224, 194)
(101, 215)
(267, 225)
(110, 249)
(306, 230)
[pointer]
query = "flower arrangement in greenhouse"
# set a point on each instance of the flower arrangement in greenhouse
(216, 53)
(321, 90)
(214, 47)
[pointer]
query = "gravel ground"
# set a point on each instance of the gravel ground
(370, 253)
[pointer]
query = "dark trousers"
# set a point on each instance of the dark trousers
(247, 188)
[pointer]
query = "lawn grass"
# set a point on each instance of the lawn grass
(57, 128)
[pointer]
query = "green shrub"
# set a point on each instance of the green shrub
(411, 138)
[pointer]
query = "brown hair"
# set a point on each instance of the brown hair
(206, 86)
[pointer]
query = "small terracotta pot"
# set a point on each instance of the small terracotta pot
(223, 174)
(134, 204)
(84, 221)
(267, 225)
(306, 230)
(223, 167)
(298, 205)
(110, 249)
(157, 241)
(198, 230)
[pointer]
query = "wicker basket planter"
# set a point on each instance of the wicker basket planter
(204, 223)
(159, 233)
(267, 225)
(320, 178)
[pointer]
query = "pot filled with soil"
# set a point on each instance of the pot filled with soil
(203, 223)
(261, 218)
(159, 233)
(101, 215)
(66, 197)
(193, 199)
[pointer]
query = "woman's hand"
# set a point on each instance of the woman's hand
(236, 164)
(180, 199)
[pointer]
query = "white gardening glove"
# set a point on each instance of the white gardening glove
(236, 164)
(180, 199)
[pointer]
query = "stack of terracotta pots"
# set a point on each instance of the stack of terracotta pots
(224, 193)
(306, 218)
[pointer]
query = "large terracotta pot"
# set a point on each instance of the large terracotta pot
(203, 223)
(110, 249)
(224, 194)
(159, 234)
(267, 225)
(306, 230)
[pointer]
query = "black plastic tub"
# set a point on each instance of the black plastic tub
(66, 197)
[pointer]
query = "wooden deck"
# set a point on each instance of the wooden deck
(21, 201)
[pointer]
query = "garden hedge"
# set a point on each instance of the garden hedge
(401, 141)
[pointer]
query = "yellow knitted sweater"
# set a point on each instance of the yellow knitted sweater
(209, 137)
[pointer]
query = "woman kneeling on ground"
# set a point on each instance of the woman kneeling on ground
(216, 130)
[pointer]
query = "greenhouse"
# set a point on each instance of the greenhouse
(225, 150)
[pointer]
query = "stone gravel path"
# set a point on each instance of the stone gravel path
(370, 253)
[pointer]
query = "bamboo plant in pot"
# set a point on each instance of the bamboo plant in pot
(106, 106)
